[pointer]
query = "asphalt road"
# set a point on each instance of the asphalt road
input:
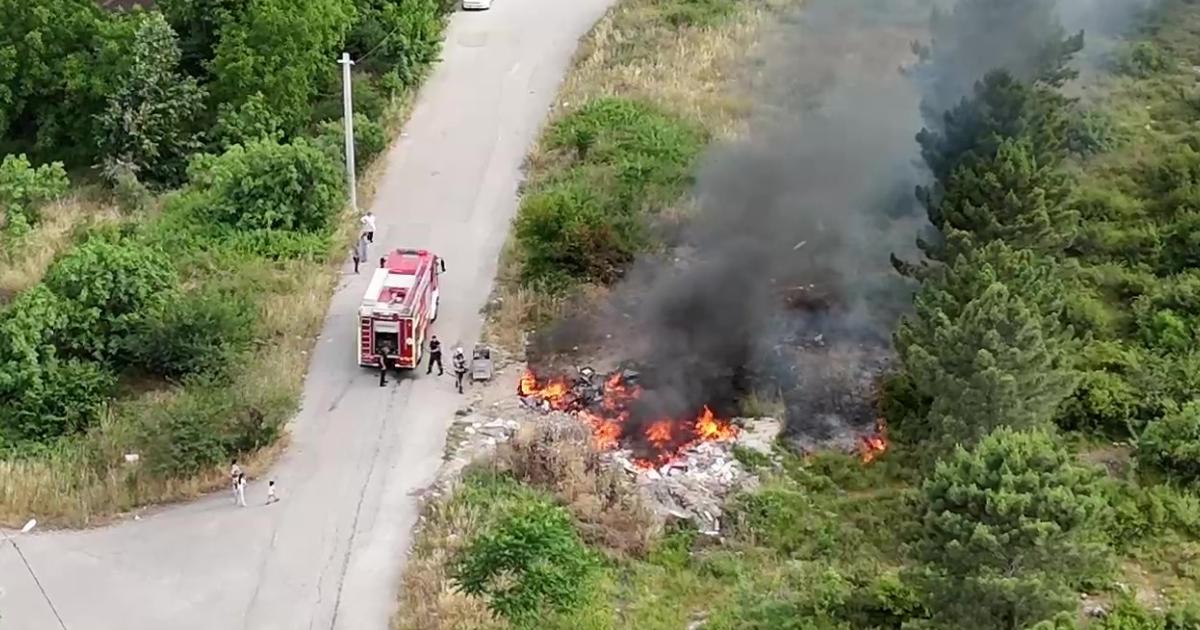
(329, 554)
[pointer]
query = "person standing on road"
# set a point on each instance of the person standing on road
(360, 251)
(271, 498)
(368, 224)
(435, 355)
(460, 368)
(235, 472)
(241, 489)
(382, 370)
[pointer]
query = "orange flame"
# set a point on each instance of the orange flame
(607, 419)
(874, 445)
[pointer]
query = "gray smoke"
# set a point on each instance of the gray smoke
(783, 275)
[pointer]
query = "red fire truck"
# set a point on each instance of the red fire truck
(400, 302)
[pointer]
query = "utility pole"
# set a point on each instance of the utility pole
(347, 94)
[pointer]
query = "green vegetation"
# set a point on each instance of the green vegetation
(622, 160)
(211, 124)
(1043, 412)
(531, 561)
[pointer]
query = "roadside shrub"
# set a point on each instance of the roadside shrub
(272, 186)
(110, 287)
(567, 234)
(1172, 444)
(370, 139)
(199, 333)
(183, 438)
(24, 189)
(531, 563)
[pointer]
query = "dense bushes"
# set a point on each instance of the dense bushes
(624, 160)
(196, 333)
(1172, 444)
(531, 562)
(270, 186)
(109, 287)
(24, 189)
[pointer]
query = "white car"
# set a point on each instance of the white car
(482, 5)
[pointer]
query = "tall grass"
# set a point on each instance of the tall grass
(24, 259)
(667, 68)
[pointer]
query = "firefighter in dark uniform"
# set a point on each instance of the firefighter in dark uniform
(460, 368)
(435, 355)
(385, 349)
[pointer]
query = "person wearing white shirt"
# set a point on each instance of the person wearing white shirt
(368, 223)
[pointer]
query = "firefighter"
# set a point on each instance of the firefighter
(384, 349)
(460, 368)
(435, 355)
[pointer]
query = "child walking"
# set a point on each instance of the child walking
(241, 489)
(271, 498)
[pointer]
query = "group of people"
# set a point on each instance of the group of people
(459, 364)
(365, 237)
(237, 480)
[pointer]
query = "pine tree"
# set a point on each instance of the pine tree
(1008, 531)
(1009, 196)
(1000, 107)
(986, 347)
(1024, 38)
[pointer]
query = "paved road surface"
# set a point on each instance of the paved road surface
(328, 555)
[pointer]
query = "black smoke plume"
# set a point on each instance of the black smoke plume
(782, 280)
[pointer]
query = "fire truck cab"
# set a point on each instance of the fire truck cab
(400, 303)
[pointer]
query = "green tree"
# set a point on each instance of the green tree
(110, 288)
(270, 186)
(42, 395)
(1001, 107)
(531, 563)
(250, 121)
(25, 189)
(1008, 531)
(200, 22)
(404, 36)
(984, 348)
(1007, 196)
(281, 49)
(59, 60)
(1022, 37)
(1172, 444)
(149, 125)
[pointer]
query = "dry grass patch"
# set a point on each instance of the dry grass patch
(24, 260)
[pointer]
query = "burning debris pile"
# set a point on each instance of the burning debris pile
(611, 407)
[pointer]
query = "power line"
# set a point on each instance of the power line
(41, 588)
